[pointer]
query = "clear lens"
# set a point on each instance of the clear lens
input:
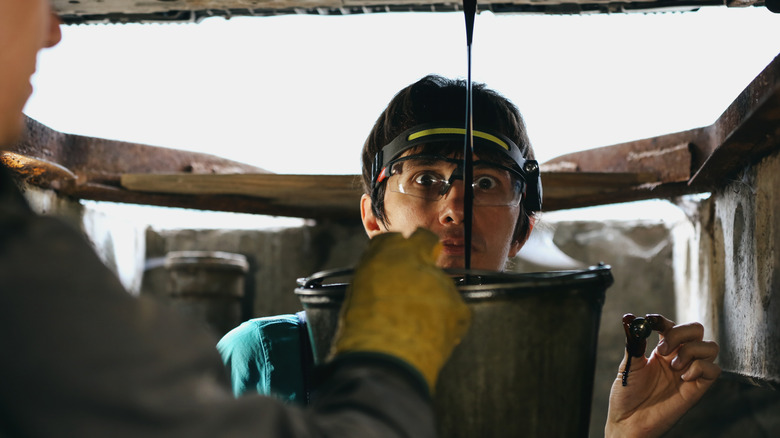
(430, 178)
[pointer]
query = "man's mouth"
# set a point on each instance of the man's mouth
(454, 246)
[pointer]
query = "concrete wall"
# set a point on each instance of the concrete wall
(118, 242)
(733, 250)
(277, 258)
(727, 276)
(640, 254)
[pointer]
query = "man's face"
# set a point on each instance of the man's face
(492, 227)
(26, 26)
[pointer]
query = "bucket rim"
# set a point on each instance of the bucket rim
(500, 283)
(206, 259)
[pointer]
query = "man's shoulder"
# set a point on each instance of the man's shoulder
(256, 332)
(267, 322)
(264, 355)
(13, 206)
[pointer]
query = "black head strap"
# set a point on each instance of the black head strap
(441, 132)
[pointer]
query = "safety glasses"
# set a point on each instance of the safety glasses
(521, 181)
(430, 177)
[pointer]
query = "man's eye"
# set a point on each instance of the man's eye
(485, 183)
(425, 179)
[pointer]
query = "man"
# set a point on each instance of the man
(413, 177)
(81, 357)
(432, 110)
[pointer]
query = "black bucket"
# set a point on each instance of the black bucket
(208, 286)
(526, 365)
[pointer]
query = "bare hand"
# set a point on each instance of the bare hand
(664, 386)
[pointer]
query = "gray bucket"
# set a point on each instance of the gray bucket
(208, 286)
(526, 365)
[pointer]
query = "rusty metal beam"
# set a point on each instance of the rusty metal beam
(135, 11)
(668, 157)
(102, 161)
(694, 161)
(92, 169)
(748, 130)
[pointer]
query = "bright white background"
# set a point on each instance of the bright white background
(298, 94)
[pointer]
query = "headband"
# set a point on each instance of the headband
(445, 132)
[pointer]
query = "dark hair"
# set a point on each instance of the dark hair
(436, 99)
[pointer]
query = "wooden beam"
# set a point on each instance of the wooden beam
(299, 191)
(314, 193)
(223, 202)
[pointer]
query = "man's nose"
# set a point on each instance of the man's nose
(55, 34)
(451, 204)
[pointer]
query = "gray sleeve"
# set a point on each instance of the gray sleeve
(81, 357)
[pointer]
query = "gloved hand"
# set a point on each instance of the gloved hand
(401, 304)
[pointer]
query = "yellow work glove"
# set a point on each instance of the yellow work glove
(401, 304)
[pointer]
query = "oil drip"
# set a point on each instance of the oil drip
(469, 11)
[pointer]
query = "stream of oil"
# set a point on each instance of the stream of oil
(469, 11)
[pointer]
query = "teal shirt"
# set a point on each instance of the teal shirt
(270, 356)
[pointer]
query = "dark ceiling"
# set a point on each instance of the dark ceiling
(135, 11)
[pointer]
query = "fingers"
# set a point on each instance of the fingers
(660, 323)
(685, 341)
(693, 354)
(695, 351)
(673, 336)
(422, 246)
(380, 238)
(701, 370)
(428, 243)
(424, 236)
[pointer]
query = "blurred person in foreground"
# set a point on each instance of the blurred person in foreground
(81, 357)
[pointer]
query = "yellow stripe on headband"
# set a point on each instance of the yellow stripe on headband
(461, 131)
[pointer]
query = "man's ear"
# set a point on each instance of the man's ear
(370, 222)
(518, 244)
